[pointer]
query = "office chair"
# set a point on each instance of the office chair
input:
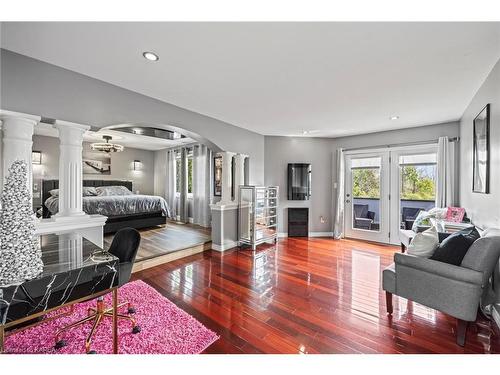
(124, 247)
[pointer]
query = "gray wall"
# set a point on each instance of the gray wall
(279, 152)
(320, 152)
(121, 164)
(34, 87)
(483, 209)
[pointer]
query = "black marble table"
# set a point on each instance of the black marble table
(74, 270)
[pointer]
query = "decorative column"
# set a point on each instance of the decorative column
(70, 168)
(227, 177)
(17, 143)
(239, 174)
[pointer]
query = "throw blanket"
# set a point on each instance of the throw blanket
(117, 205)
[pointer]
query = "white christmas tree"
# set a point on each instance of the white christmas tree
(20, 254)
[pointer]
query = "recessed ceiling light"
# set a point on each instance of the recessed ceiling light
(394, 117)
(151, 56)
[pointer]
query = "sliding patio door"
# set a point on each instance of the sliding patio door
(367, 189)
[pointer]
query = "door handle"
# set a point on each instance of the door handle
(347, 201)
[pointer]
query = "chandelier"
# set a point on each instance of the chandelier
(106, 146)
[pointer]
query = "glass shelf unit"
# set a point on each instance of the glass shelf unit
(257, 215)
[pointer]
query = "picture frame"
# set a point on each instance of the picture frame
(481, 152)
(218, 176)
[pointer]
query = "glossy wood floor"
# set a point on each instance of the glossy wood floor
(308, 296)
(166, 239)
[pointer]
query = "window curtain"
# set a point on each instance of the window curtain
(170, 183)
(446, 173)
(202, 157)
(338, 221)
(183, 187)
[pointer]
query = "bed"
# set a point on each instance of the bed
(132, 210)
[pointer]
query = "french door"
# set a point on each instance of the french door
(367, 189)
(385, 190)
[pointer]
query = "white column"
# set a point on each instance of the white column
(227, 177)
(239, 174)
(17, 143)
(70, 168)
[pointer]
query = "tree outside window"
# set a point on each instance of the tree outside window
(366, 183)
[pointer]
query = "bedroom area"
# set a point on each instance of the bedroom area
(155, 180)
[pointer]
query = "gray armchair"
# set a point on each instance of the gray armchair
(454, 290)
(363, 218)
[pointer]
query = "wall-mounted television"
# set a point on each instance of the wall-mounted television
(299, 181)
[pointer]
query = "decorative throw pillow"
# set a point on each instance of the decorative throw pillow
(424, 243)
(105, 191)
(453, 249)
(89, 191)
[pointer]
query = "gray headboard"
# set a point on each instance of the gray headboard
(48, 185)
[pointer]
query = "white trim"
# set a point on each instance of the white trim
(495, 313)
(225, 246)
(53, 225)
(224, 207)
(311, 234)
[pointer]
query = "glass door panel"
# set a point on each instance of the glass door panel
(366, 200)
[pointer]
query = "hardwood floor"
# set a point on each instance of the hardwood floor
(167, 239)
(308, 296)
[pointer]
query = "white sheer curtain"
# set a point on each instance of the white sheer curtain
(170, 183)
(338, 221)
(446, 173)
(202, 157)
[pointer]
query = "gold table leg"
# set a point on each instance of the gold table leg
(2, 334)
(115, 321)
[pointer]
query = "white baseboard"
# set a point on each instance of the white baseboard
(225, 246)
(311, 234)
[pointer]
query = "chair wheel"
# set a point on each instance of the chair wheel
(91, 352)
(136, 329)
(60, 344)
(131, 310)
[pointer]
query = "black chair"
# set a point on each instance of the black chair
(124, 246)
(363, 218)
(409, 215)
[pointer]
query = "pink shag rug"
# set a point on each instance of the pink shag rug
(165, 329)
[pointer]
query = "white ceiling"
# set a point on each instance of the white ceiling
(332, 79)
(126, 139)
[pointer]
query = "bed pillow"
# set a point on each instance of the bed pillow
(424, 243)
(106, 191)
(54, 192)
(89, 191)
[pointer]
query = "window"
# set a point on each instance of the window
(418, 177)
(178, 171)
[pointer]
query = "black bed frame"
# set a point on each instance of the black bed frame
(114, 223)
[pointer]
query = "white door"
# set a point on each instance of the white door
(367, 189)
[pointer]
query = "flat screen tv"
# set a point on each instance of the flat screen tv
(299, 181)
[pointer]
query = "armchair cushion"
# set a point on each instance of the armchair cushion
(484, 253)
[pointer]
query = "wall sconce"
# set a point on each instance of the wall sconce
(137, 165)
(36, 157)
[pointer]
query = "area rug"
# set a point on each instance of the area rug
(165, 329)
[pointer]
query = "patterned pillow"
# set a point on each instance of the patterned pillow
(106, 191)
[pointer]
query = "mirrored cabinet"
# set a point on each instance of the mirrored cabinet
(257, 215)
